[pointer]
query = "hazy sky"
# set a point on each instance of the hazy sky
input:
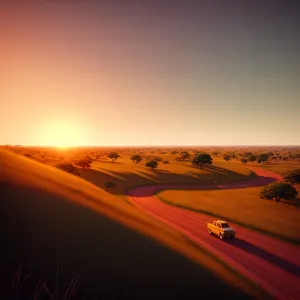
(166, 72)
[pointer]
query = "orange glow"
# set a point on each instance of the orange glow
(62, 135)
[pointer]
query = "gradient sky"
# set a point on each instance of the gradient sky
(162, 73)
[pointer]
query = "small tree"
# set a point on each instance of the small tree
(109, 184)
(138, 159)
(247, 154)
(202, 159)
(227, 157)
(244, 160)
(278, 191)
(293, 177)
(83, 163)
(68, 167)
(153, 164)
(262, 158)
(185, 155)
(252, 158)
(113, 156)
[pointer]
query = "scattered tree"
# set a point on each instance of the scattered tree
(136, 158)
(244, 160)
(247, 154)
(262, 158)
(153, 164)
(113, 156)
(185, 155)
(293, 177)
(133, 156)
(109, 184)
(166, 162)
(227, 157)
(83, 163)
(278, 191)
(201, 159)
(252, 158)
(68, 167)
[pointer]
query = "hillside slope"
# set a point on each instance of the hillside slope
(51, 220)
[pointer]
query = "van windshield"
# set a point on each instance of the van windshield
(224, 225)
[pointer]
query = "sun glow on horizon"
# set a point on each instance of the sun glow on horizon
(62, 135)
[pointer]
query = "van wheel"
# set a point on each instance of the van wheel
(221, 236)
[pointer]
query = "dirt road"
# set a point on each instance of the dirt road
(269, 262)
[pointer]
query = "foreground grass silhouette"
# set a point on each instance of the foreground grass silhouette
(51, 219)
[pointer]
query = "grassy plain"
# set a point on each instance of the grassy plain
(242, 206)
(54, 222)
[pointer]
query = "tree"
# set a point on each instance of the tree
(185, 155)
(293, 177)
(252, 158)
(278, 191)
(83, 163)
(109, 185)
(68, 167)
(227, 157)
(262, 158)
(153, 164)
(166, 162)
(136, 158)
(113, 156)
(244, 160)
(247, 154)
(201, 159)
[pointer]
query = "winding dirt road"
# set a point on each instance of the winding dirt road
(269, 262)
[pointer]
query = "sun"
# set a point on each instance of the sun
(63, 135)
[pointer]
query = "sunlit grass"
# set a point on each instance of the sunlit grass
(243, 206)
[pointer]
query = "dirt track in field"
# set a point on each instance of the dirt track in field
(269, 262)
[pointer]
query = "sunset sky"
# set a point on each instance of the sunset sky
(162, 73)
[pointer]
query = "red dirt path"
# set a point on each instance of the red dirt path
(269, 262)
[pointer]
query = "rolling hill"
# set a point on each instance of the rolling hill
(56, 225)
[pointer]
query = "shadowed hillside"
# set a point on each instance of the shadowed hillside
(52, 221)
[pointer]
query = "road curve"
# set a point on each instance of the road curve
(269, 262)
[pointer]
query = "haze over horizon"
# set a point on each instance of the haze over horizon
(191, 73)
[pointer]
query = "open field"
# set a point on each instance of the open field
(269, 262)
(51, 219)
(127, 174)
(283, 167)
(242, 206)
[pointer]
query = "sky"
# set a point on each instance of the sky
(149, 73)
